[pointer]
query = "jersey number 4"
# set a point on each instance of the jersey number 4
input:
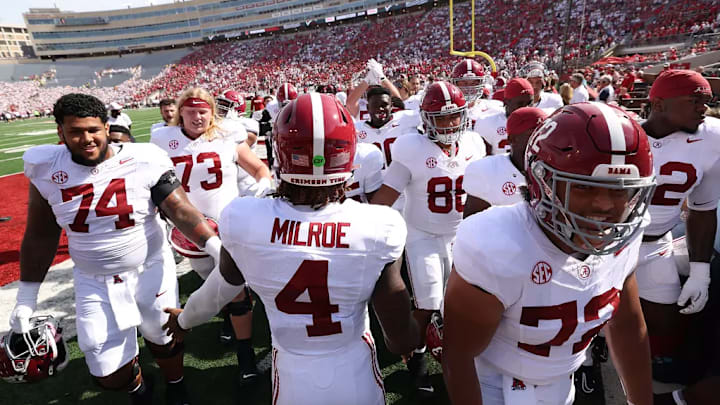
(312, 275)
(187, 160)
(567, 314)
(102, 209)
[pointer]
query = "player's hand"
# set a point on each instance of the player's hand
(27, 295)
(377, 69)
(695, 288)
(20, 318)
(371, 79)
(172, 326)
(261, 188)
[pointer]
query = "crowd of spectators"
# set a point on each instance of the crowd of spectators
(407, 43)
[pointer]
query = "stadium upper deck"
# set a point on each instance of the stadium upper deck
(57, 33)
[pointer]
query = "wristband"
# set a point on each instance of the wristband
(213, 246)
(28, 293)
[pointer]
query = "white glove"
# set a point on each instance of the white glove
(695, 288)
(212, 247)
(26, 303)
(261, 188)
(371, 79)
(376, 68)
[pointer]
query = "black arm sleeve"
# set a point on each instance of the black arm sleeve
(167, 183)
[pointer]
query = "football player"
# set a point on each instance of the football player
(285, 94)
(229, 103)
(117, 117)
(492, 126)
(168, 109)
(470, 77)
(328, 259)
(119, 134)
(367, 173)
(686, 149)
(106, 198)
(357, 101)
(500, 179)
(209, 153)
(428, 168)
(534, 282)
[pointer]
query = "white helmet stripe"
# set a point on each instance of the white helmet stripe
(285, 89)
(318, 131)
(469, 66)
(617, 135)
(446, 93)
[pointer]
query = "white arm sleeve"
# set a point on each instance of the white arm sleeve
(706, 195)
(207, 301)
(397, 176)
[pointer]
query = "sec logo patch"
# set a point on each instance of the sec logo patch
(541, 273)
(362, 135)
(509, 188)
(59, 177)
(502, 131)
(431, 162)
(174, 144)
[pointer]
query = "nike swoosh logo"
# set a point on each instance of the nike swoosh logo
(427, 389)
(196, 102)
(126, 160)
(159, 294)
(469, 157)
(693, 140)
(251, 375)
(708, 202)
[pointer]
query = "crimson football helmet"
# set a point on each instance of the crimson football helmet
(596, 145)
(472, 76)
(227, 101)
(434, 336)
(443, 99)
(314, 141)
(185, 246)
(286, 93)
(35, 355)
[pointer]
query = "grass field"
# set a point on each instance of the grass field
(209, 366)
(18, 136)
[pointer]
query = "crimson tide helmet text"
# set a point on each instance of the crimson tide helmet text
(589, 145)
(314, 141)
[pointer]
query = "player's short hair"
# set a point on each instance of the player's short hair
(79, 105)
(377, 91)
(316, 197)
(122, 129)
(167, 101)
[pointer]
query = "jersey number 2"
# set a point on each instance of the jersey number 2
(668, 169)
(312, 275)
(122, 209)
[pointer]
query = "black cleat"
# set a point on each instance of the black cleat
(588, 385)
(176, 394)
(417, 365)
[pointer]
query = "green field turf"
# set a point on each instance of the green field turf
(16, 137)
(209, 368)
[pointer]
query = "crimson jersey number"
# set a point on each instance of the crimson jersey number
(443, 200)
(386, 148)
(567, 314)
(312, 275)
(667, 170)
(102, 209)
(187, 160)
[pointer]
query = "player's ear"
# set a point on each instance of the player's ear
(60, 134)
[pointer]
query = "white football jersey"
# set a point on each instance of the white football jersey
(492, 127)
(325, 264)
(549, 101)
(686, 166)
(413, 102)
(434, 195)
(207, 169)
(402, 122)
(106, 210)
(367, 177)
(554, 303)
(483, 107)
(157, 125)
(494, 179)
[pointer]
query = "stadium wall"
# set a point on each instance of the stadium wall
(57, 34)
